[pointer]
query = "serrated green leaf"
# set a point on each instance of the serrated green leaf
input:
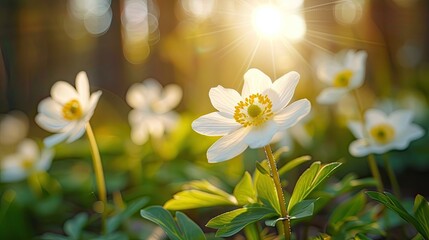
(266, 191)
(293, 164)
(232, 222)
(390, 201)
(309, 180)
(200, 194)
(190, 230)
(163, 218)
(302, 209)
(421, 212)
(244, 191)
(73, 227)
(348, 208)
(114, 222)
(262, 169)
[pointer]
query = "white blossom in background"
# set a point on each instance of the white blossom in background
(25, 161)
(152, 109)
(297, 133)
(342, 73)
(13, 128)
(381, 133)
(67, 111)
(252, 118)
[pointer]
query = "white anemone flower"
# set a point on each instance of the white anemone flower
(342, 73)
(252, 118)
(382, 133)
(25, 161)
(67, 111)
(152, 109)
(13, 128)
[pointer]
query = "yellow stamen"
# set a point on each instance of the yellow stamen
(27, 163)
(342, 79)
(72, 110)
(382, 133)
(254, 110)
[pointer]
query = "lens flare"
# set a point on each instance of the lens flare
(268, 21)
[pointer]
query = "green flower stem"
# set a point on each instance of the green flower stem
(99, 175)
(375, 172)
(392, 177)
(278, 187)
(33, 180)
(371, 160)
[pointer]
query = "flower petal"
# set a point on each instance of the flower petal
(62, 92)
(215, 124)
(55, 139)
(285, 87)
(77, 132)
(359, 148)
(82, 86)
(255, 81)
(290, 115)
(400, 119)
(224, 99)
(412, 132)
(262, 135)
(50, 124)
(331, 95)
(357, 129)
(45, 159)
(152, 90)
(227, 146)
(139, 134)
(169, 99)
(373, 117)
(50, 108)
(93, 100)
(136, 96)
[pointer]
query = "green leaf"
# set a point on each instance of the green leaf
(114, 222)
(293, 164)
(266, 191)
(244, 192)
(163, 218)
(201, 194)
(73, 227)
(190, 230)
(302, 209)
(361, 236)
(421, 212)
(53, 236)
(347, 209)
(390, 201)
(262, 169)
(309, 180)
(232, 222)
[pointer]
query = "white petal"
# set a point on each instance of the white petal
(255, 81)
(155, 126)
(135, 117)
(13, 175)
(93, 100)
(327, 71)
(28, 148)
(136, 96)
(357, 64)
(169, 99)
(139, 134)
(412, 132)
(262, 135)
(331, 95)
(62, 92)
(50, 108)
(77, 132)
(400, 119)
(357, 129)
(45, 160)
(152, 90)
(82, 86)
(373, 117)
(285, 87)
(50, 124)
(224, 99)
(215, 124)
(227, 146)
(169, 120)
(55, 139)
(290, 115)
(359, 148)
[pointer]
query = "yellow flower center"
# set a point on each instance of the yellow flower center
(27, 163)
(72, 110)
(342, 79)
(254, 110)
(382, 133)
